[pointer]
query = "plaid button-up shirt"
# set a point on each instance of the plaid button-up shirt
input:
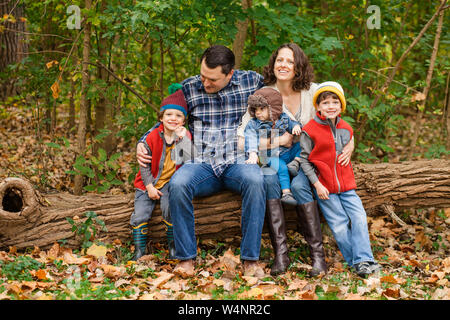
(213, 118)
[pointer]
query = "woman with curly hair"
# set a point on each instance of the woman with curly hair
(290, 72)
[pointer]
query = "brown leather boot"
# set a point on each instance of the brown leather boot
(277, 232)
(308, 216)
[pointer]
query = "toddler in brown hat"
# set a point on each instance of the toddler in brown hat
(269, 121)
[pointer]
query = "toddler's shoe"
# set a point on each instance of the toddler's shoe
(293, 167)
(288, 198)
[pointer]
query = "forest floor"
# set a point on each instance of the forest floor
(416, 262)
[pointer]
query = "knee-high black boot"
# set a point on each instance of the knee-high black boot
(308, 216)
(277, 232)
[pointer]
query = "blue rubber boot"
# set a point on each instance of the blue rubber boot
(170, 241)
(140, 236)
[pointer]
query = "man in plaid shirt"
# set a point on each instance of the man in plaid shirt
(217, 100)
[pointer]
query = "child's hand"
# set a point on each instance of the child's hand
(252, 158)
(297, 130)
(180, 132)
(153, 193)
(322, 191)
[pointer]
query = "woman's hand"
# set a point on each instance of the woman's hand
(141, 155)
(285, 140)
(346, 155)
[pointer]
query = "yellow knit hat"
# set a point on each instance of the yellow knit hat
(333, 87)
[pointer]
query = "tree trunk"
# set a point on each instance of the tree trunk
(239, 40)
(28, 219)
(426, 90)
(82, 125)
(13, 46)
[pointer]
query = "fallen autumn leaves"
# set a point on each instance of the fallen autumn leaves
(411, 270)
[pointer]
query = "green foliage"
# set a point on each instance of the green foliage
(151, 44)
(19, 269)
(88, 228)
(100, 170)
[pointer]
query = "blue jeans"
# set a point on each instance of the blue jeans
(144, 206)
(347, 220)
(279, 164)
(198, 180)
(300, 187)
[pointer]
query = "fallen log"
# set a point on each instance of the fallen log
(29, 219)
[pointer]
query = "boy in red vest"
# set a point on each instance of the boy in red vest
(165, 144)
(322, 140)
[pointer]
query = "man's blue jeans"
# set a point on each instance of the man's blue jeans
(347, 220)
(198, 180)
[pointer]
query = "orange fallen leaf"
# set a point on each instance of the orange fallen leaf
(53, 252)
(112, 271)
(391, 293)
(389, 278)
(41, 274)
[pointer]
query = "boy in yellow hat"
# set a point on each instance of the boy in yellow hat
(322, 141)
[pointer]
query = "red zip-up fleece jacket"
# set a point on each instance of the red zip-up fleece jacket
(156, 145)
(321, 144)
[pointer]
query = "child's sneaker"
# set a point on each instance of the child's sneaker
(288, 198)
(363, 269)
(293, 167)
(375, 267)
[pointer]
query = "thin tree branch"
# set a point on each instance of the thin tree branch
(99, 64)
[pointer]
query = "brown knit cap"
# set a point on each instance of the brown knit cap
(266, 97)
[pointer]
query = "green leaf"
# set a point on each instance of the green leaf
(102, 155)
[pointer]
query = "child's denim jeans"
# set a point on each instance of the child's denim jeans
(347, 220)
(144, 206)
(279, 164)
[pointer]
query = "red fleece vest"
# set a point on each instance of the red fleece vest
(155, 141)
(335, 177)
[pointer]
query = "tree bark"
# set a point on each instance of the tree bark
(13, 45)
(82, 125)
(29, 219)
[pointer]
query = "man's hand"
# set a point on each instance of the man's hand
(252, 158)
(322, 191)
(153, 193)
(346, 155)
(141, 155)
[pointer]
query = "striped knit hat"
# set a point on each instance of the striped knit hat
(175, 101)
(332, 87)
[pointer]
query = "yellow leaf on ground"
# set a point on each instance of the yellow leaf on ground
(97, 251)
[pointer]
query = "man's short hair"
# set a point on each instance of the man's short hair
(219, 55)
